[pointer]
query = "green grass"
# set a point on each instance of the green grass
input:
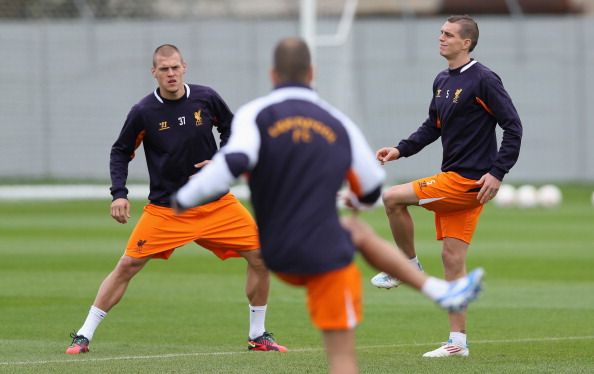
(189, 314)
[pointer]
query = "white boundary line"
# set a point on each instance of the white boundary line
(359, 348)
(83, 192)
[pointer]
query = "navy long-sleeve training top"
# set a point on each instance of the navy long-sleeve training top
(298, 151)
(176, 135)
(467, 104)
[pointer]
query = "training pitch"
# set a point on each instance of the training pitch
(189, 314)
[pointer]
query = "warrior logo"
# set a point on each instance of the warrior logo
(163, 126)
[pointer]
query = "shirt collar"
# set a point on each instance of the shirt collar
(292, 84)
(464, 67)
(162, 101)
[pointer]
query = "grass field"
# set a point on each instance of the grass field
(189, 314)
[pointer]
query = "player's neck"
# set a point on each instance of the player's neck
(458, 61)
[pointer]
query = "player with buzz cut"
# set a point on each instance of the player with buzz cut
(468, 102)
(175, 123)
(297, 151)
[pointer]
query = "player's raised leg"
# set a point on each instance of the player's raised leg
(450, 295)
(396, 201)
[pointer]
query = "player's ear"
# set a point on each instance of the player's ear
(274, 78)
(466, 43)
(184, 67)
(154, 72)
(310, 74)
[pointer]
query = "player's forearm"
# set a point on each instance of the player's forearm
(508, 154)
(426, 134)
(118, 168)
(213, 180)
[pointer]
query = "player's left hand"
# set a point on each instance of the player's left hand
(490, 186)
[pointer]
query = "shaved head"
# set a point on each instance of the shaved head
(166, 50)
(292, 60)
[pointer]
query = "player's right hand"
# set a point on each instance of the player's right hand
(120, 210)
(351, 201)
(386, 154)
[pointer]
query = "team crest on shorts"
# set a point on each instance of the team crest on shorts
(423, 184)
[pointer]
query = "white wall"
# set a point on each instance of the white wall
(67, 87)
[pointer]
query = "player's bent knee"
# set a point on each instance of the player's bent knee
(399, 197)
(392, 199)
(129, 266)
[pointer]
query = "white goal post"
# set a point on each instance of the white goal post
(308, 21)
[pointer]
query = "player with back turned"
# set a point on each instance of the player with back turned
(468, 102)
(297, 151)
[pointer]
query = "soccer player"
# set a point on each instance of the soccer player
(175, 123)
(297, 150)
(468, 102)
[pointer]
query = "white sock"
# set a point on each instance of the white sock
(93, 320)
(415, 261)
(434, 288)
(257, 318)
(458, 338)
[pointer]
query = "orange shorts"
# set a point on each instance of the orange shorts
(453, 200)
(223, 226)
(333, 298)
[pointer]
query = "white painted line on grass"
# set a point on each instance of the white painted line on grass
(473, 342)
(84, 192)
(359, 347)
(71, 192)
